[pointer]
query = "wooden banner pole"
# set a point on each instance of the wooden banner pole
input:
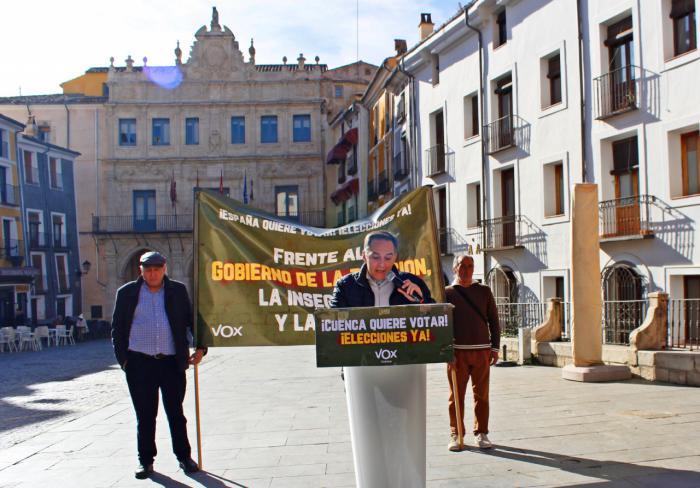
(196, 409)
(457, 396)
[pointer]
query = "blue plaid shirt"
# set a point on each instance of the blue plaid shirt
(150, 329)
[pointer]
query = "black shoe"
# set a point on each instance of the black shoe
(189, 466)
(144, 471)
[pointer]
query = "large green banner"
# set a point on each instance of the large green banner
(259, 277)
(384, 336)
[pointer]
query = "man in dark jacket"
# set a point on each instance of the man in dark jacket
(149, 333)
(376, 284)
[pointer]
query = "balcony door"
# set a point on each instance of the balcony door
(439, 143)
(626, 172)
(287, 202)
(504, 92)
(691, 311)
(622, 90)
(508, 207)
(144, 210)
(4, 190)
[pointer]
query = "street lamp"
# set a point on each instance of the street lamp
(85, 268)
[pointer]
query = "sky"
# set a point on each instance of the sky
(47, 42)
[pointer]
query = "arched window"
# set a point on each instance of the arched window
(624, 305)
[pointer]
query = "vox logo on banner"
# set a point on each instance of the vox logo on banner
(259, 277)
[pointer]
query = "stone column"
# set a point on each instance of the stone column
(586, 300)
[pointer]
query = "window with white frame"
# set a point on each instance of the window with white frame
(62, 273)
(4, 144)
(684, 161)
(31, 167)
(550, 80)
(56, 173)
(555, 189)
(471, 115)
(473, 204)
(39, 264)
(58, 230)
(35, 220)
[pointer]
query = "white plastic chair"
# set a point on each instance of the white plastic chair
(9, 336)
(64, 336)
(5, 341)
(55, 332)
(42, 332)
(27, 339)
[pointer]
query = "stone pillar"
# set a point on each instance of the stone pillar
(524, 345)
(652, 333)
(586, 300)
(550, 329)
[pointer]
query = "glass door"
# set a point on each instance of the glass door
(144, 210)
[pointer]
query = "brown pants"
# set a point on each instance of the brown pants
(474, 364)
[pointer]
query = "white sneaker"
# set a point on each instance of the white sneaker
(482, 441)
(454, 443)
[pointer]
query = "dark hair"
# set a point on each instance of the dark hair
(381, 235)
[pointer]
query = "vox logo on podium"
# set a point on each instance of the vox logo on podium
(386, 355)
(227, 331)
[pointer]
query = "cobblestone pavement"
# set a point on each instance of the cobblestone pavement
(271, 419)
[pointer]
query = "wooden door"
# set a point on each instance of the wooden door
(691, 311)
(627, 217)
(439, 143)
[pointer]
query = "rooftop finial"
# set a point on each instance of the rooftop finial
(145, 61)
(178, 54)
(251, 51)
(111, 62)
(215, 27)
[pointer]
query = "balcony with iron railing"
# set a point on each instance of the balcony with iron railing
(617, 92)
(109, 224)
(503, 232)
(38, 240)
(627, 218)
(451, 241)
(12, 250)
(60, 241)
(506, 132)
(440, 159)
(9, 195)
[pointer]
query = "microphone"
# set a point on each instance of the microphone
(398, 284)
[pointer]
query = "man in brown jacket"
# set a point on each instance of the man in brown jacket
(477, 339)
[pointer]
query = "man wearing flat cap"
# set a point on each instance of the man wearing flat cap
(149, 334)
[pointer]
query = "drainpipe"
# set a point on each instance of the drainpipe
(67, 125)
(584, 165)
(484, 159)
(414, 172)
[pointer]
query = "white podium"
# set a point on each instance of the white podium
(387, 410)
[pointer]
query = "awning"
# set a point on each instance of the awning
(349, 188)
(340, 151)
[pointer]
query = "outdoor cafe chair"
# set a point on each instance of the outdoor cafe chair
(9, 333)
(6, 340)
(64, 336)
(42, 332)
(27, 339)
(55, 332)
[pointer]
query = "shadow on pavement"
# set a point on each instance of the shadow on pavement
(607, 471)
(22, 374)
(203, 478)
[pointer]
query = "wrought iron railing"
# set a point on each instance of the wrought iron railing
(617, 91)
(620, 317)
(683, 324)
(39, 239)
(441, 160)
(134, 224)
(452, 242)
(513, 316)
(505, 132)
(61, 241)
(502, 232)
(9, 195)
(11, 248)
(629, 216)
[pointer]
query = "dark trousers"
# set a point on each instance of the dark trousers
(145, 376)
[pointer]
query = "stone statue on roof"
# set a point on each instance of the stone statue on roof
(215, 20)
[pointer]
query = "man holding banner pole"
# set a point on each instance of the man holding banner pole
(477, 339)
(386, 404)
(149, 332)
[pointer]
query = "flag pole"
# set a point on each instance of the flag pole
(196, 409)
(457, 396)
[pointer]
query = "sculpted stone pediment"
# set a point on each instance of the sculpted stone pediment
(215, 55)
